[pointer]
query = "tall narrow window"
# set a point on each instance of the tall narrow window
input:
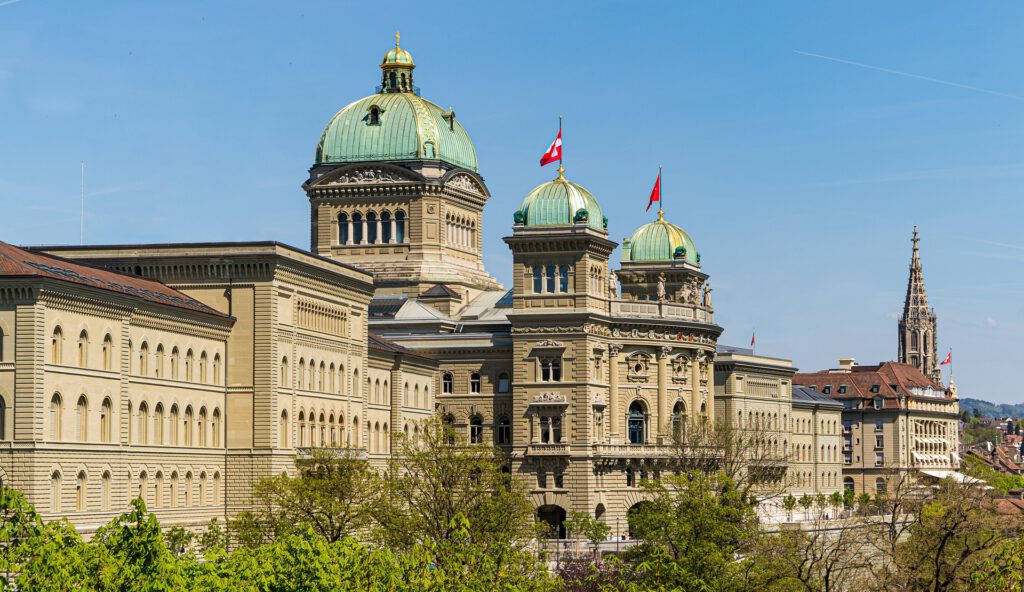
(538, 279)
(158, 424)
(174, 425)
(189, 363)
(202, 368)
(563, 278)
(174, 489)
(474, 383)
(143, 480)
(282, 430)
(83, 349)
(201, 427)
(284, 375)
(448, 383)
(678, 421)
(108, 353)
(545, 429)
(144, 359)
(216, 369)
(82, 419)
(57, 346)
(106, 490)
(3, 419)
(105, 424)
(476, 430)
(399, 226)
(215, 429)
(56, 416)
(80, 484)
(143, 430)
(201, 498)
(551, 369)
(55, 491)
(158, 363)
(556, 429)
(635, 423)
(385, 227)
(188, 426)
(158, 490)
(175, 362)
(549, 272)
(343, 229)
(504, 435)
(188, 489)
(503, 382)
(357, 228)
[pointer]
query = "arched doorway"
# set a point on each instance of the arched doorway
(635, 423)
(554, 517)
(635, 519)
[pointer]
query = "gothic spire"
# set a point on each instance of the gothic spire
(918, 342)
(917, 298)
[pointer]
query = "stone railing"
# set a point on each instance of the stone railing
(547, 450)
(663, 310)
(355, 453)
(635, 451)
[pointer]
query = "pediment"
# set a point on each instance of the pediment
(367, 175)
(466, 183)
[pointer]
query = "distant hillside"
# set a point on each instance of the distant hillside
(992, 409)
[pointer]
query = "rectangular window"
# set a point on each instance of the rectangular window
(879, 442)
(550, 272)
(878, 425)
(563, 279)
(542, 480)
(827, 389)
(848, 457)
(545, 430)
(538, 279)
(879, 459)
(559, 481)
(847, 425)
(842, 389)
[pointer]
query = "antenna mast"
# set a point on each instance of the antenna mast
(81, 219)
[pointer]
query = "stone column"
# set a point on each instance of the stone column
(695, 385)
(379, 236)
(613, 393)
(663, 353)
(391, 240)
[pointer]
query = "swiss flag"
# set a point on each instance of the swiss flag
(655, 193)
(554, 151)
(948, 360)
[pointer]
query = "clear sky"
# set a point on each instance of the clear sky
(801, 140)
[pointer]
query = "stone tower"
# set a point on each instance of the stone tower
(395, 190)
(917, 325)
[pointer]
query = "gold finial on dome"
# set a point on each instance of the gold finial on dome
(397, 37)
(561, 172)
(661, 215)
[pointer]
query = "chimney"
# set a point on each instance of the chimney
(847, 364)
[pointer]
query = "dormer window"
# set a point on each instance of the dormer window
(842, 389)
(374, 115)
(875, 388)
(827, 389)
(878, 402)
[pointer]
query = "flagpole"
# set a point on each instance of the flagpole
(661, 193)
(561, 150)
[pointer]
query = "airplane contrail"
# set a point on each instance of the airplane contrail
(911, 75)
(6, 2)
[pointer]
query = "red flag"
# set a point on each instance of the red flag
(753, 338)
(554, 151)
(948, 360)
(655, 193)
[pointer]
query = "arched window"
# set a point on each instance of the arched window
(215, 428)
(55, 491)
(174, 489)
(302, 429)
(106, 417)
(678, 421)
(188, 489)
(635, 423)
(371, 228)
(283, 429)
(355, 432)
(343, 228)
(56, 416)
(189, 362)
(385, 227)
(320, 384)
(188, 425)
(476, 429)
(80, 489)
(144, 359)
(357, 228)
(474, 383)
(158, 424)
(143, 431)
(174, 425)
(201, 427)
(504, 432)
(504, 384)
(399, 226)
(57, 346)
(108, 352)
(448, 383)
(82, 419)
(284, 377)
(375, 115)
(216, 485)
(216, 369)
(549, 274)
(3, 345)
(848, 483)
(175, 370)
(143, 478)
(158, 490)
(881, 487)
(158, 364)
(3, 419)
(106, 490)
(201, 500)
(202, 368)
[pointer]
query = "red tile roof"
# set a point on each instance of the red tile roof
(860, 381)
(19, 263)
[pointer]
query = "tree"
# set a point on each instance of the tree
(179, 540)
(583, 525)
(806, 502)
(789, 502)
(816, 557)
(331, 494)
(437, 481)
(19, 524)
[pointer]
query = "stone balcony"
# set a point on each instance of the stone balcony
(547, 450)
(660, 310)
(635, 451)
(355, 453)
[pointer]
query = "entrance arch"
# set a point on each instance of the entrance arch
(635, 529)
(554, 517)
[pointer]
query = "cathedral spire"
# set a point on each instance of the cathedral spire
(918, 342)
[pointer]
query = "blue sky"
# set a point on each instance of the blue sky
(799, 177)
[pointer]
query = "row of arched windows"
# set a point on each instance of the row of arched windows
(178, 369)
(356, 229)
(174, 428)
(379, 392)
(460, 231)
(323, 430)
(415, 397)
(83, 358)
(311, 376)
(190, 491)
(81, 420)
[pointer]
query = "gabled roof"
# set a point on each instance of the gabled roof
(441, 291)
(19, 263)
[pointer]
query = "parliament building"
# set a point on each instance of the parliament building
(181, 373)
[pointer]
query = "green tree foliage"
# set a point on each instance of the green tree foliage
(584, 526)
(1001, 482)
(977, 434)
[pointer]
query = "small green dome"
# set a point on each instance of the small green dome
(660, 241)
(560, 203)
(395, 126)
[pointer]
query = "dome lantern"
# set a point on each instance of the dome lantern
(396, 70)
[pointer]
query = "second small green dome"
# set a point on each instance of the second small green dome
(561, 203)
(660, 241)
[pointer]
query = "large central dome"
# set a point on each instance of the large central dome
(396, 124)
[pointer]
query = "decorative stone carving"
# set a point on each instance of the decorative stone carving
(681, 370)
(550, 343)
(464, 182)
(665, 351)
(613, 285)
(638, 367)
(660, 289)
(549, 397)
(368, 176)
(707, 295)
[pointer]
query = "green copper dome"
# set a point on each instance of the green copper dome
(560, 203)
(660, 241)
(396, 124)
